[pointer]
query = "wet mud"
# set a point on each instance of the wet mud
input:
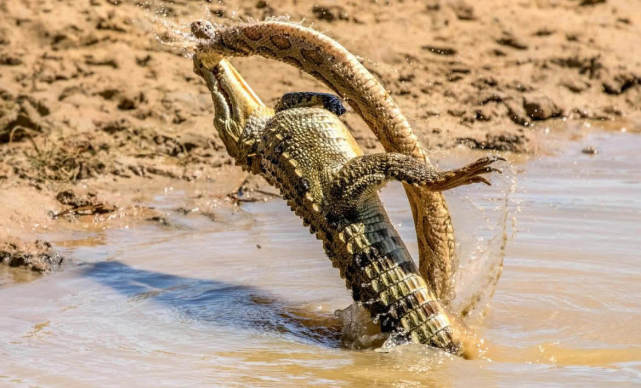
(38, 256)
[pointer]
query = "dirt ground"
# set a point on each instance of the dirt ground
(99, 109)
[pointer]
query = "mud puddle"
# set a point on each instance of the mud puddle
(250, 298)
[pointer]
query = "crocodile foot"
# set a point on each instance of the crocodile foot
(467, 175)
(363, 175)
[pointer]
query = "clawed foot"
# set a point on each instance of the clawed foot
(468, 174)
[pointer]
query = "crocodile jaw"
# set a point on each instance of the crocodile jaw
(238, 108)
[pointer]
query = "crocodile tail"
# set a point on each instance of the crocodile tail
(402, 303)
(329, 62)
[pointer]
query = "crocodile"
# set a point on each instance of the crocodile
(304, 149)
(329, 62)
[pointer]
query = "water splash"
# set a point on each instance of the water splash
(170, 31)
(358, 330)
(479, 273)
(171, 34)
(175, 33)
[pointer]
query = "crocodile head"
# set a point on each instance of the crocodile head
(240, 113)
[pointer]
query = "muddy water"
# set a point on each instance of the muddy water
(249, 299)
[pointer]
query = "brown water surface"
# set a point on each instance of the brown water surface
(250, 299)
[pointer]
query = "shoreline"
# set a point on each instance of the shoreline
(98, 205)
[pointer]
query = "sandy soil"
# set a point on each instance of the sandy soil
(99, 108)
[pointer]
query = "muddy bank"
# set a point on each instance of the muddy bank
(102, 103)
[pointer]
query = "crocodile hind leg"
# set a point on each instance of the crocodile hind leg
(363, 175)
(308, 99)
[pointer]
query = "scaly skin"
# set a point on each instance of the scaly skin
(331, 63)
(318, 167)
